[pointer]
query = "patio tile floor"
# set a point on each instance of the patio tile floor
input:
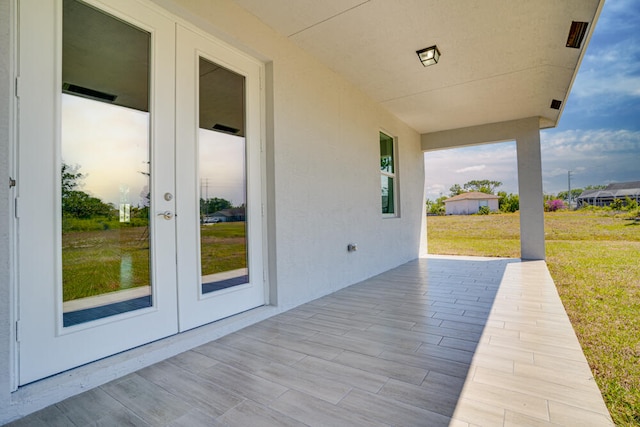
(438, 341)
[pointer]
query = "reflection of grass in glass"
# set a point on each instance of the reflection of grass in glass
(93, 261)
(223, 247)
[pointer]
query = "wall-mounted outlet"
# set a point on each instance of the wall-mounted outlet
(352, 247)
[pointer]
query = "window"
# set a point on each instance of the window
(388, 181)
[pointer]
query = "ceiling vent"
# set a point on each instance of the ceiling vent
(555, 104)
(576, 34)
(225, 129)
(85, 92)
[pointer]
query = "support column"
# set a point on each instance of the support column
(530, 191)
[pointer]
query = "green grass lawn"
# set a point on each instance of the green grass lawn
(595, 262)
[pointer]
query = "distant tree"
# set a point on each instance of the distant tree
(455, 190)
(575, 193)
(595, 187)
(436, 207)
(482, 185)
(213, 205)
(70, 178)
(76, 203)
(508, 202)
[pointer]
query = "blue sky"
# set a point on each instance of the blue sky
(598, 137)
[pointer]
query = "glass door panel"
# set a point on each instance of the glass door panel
(105, 194)
(218, 170)
(96, 128)
(223, 195)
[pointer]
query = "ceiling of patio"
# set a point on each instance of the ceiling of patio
(501, 59)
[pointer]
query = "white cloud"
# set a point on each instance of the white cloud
(610, 70)
(471, 168)
(445, 168)
(595, 157)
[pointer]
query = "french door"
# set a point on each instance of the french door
(138, 185)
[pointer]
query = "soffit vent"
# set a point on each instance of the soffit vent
(555, 104)
(85, 92)
(576, 34)
(225, 129)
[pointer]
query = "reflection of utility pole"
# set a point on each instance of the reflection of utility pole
(569, 195)
(204, 196)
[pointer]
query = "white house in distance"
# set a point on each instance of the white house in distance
(470, 203)
(331, 110)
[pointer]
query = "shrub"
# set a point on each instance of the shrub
(508, 202)
(484, 210)
(554, 205)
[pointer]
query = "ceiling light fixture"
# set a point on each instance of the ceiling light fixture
(429, 55)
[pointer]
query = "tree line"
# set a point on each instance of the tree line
(78, 204)
(507, 202)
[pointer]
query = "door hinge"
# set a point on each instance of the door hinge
(17, 88)
(18, 331)
(15, 207)
(12, 182)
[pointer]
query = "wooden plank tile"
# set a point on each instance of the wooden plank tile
(317, 412)
(244, 384)
(368, 347)
(151, 403)
(391, 411)
(347, 375)
(90, 406)
(274, 353)
(47, 417)
(192, 361)
(252, 414)
(427, 363)
(233, 357)
(309, 348)
(312, 383)
(424, 397)
(195, 418)
(388, 367)
(121, 419)
(208, 397)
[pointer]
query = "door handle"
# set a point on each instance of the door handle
(166, 214)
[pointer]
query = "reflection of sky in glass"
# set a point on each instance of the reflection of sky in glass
(110, 145)
(222, 166)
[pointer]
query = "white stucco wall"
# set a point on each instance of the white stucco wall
(322, 187)
(324, 142)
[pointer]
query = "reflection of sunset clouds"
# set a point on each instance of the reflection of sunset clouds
(110, 145)
(222, 166)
